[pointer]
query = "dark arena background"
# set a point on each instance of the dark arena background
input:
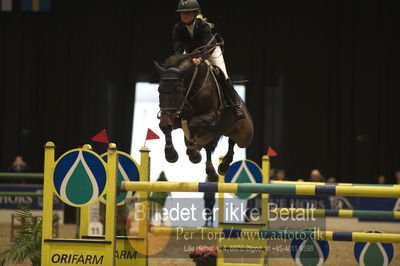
(323, 91)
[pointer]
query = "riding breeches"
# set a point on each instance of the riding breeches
(217, 59)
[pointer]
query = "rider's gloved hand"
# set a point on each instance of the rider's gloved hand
(197, 61)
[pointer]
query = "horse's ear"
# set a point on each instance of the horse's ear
(184, 71)
(159, 68)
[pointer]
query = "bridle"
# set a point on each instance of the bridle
(178, 110)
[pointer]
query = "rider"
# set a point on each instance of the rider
(193, 31)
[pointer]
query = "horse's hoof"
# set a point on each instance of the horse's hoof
(223, 168)
(172, 159)
(212, 177)
(194, 155)
(171, 155)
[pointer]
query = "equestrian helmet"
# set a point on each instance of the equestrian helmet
(188, 5)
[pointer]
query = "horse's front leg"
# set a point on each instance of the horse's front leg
(192, 151)
(166, 127)
(212, 176)
(226, 161)
(170, 153)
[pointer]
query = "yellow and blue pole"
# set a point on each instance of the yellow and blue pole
(287, 189)
(337, 213)
(331, 184)
(279, 234)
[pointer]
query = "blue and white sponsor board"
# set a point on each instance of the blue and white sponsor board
(244, 171)
(80, 177)
(128, 170)
(376, 254)
(308, 252)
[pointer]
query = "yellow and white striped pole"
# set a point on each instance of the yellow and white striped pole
(111, 206)
(47, 220)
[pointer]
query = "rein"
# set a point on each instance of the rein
(207, 49)
(185, 101)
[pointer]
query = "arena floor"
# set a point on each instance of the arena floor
(341, 253)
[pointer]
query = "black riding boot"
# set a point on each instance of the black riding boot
(235, 100)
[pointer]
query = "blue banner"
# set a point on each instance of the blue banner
(317, 202)
(34, 202)
(382, 204)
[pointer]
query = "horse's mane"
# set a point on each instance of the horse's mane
(178, 61)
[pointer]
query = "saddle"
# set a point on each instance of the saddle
(219, 79)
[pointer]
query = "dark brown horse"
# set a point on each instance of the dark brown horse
(189, 99)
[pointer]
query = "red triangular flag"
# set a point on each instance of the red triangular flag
(151, 135)
(271, 152)
(101, 137)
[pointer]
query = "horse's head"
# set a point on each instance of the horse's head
(171, 88)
